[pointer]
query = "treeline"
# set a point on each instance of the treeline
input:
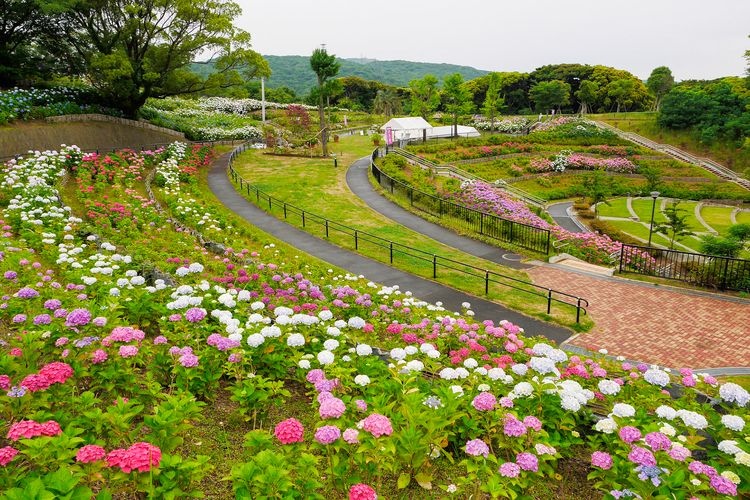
(714, 110)
(566, 88)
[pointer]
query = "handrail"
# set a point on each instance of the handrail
(393, 247)
(463, 208)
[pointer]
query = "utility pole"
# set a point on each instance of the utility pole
(263, 98)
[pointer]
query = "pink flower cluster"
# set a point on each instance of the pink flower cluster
(7, 454)
(362, 491)
(289, 431)
(90, 453)
(124, 334)
(29, 429)
(377, 425)
(52, 373)
(140, 456)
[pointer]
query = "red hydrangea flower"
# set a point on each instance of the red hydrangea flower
(289, 431)
(90, 453)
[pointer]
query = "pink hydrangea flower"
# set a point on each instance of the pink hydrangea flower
(630, 434)
(509, 469)
(289, 431)
(527, 461)
(99, 356)
(331, 407)
(658, 441)
(533, 423)
(377, 425)
(513, 427)
(484, 401)
(57, 372)
(601, 459)
(128, 351)
(351, 436)
(35, 382)
(641, 456)
(477, 447)
(90, 453)
(362, 491)
(327, 434)
(7, 454)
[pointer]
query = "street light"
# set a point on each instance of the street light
(654, 195)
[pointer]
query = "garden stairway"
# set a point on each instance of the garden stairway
(705, 163)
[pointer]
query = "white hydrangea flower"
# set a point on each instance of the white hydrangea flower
(523, 389)
(462, 372)
(414, 365)
(729, 447)
(448, 373)
(666, 412)
(257, 306)
(742, 458)
(569, 402)
(733, 422)
(255, 339)
(608, 387)
(333, 331)
(331, 344)
(295, 340)
(623, 410)
(733, 393)
(356, 322)
(304, 364)
(272, 331)
(496, 373)
(325, 357)
(283, 311)
(656, 377)
(693, 419)
(362, 380)
(397, 353)
(606, 425)
(519, 369)
(457, 390)
(542, 365)
(325, 315)
(667, 429)
(470, 363)
(364, 350)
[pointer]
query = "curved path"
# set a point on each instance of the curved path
(560, 213)
(635, 319)
(424, 289)
(358, 182)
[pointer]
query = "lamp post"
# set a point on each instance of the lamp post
(654, 195)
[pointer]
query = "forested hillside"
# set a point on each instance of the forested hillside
(294, 71)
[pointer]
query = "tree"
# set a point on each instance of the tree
(653, 177)
(622, 92)
(716, 245)
(424, 95)
(597, 187)
(387, 102)
(550, 95)
(740, 231)
(30, 43)
(492, 100)
(676, 225)
(457, 98)
(659, 83)
(587, 95)
(325, 67)
(136, 50)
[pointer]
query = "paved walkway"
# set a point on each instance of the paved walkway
(356, 179)
(638, 320)
(658, 325)
(560, 213)
(424, 289)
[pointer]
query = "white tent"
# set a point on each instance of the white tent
(407, 127)
(415, 128)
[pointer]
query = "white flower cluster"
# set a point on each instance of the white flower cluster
(733, 393)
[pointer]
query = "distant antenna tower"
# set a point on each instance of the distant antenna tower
(323, 46)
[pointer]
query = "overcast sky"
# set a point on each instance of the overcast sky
(695, 38)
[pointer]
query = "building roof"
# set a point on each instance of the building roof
(407, 123)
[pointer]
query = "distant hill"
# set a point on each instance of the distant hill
(295, 72)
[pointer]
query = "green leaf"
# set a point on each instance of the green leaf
(424, 480)
(403, 481)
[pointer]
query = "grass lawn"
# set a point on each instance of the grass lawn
(314, 185)
(644, 123)
(717, 217)
(743, 217)
(618, 207)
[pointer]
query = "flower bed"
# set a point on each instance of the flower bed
(35, 103)
(591, 247)
(576, 161)
(106, 371)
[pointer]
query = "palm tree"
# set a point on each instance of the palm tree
(386, 102)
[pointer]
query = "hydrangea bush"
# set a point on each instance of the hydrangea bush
(104, 368)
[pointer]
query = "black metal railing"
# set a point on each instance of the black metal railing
(482, 223)
(711, 271)
(394, 250)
